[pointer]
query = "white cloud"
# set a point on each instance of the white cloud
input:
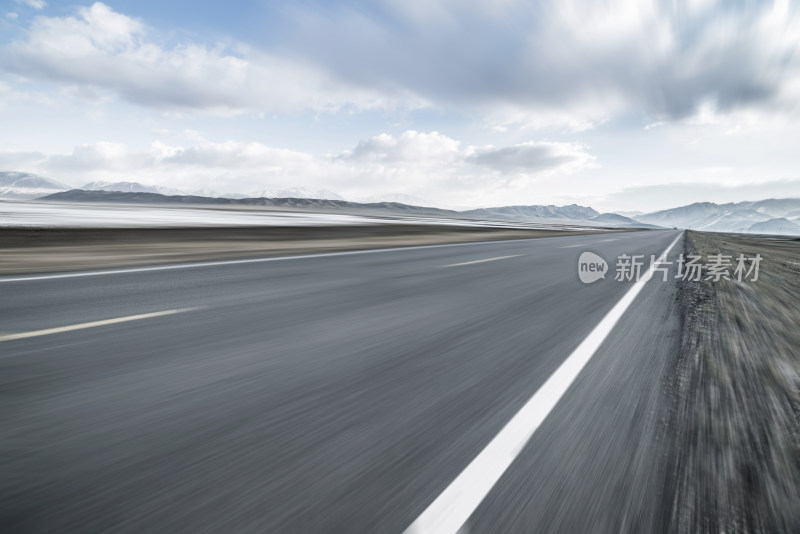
(231, 155)
(35, 4)
(680, 86)
(410, 148)
(533, 157)
(12, 15)
(415, 150)
(10, 95)
(104, 49)
(429, 165)
(23, 160)
(569, 63)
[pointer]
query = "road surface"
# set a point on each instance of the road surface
(336, 392)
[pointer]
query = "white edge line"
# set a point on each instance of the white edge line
(481, 261)
(452, 508)
(93, 324)
(260, 260)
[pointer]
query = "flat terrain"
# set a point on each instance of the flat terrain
(26, 250)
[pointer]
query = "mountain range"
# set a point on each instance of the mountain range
(570, 214)
(295, 192)
(400, 198)
(523, 213)
(24, 185)
(770, 216)
(79, 195)
(130, 187)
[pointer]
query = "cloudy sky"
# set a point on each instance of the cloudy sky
(617, 104)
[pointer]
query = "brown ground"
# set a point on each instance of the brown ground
(32, 250)
(737, 415)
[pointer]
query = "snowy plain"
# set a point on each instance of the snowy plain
(77, 215)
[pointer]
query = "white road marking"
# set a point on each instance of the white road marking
(607, 240)
(260, 260)
(448, 513)
(481, 261)
(255, 260)
(573, 246)
(70, 328)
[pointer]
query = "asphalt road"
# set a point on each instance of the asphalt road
(335, 393)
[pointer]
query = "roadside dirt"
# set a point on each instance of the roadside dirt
(735, 423)
(37, 250)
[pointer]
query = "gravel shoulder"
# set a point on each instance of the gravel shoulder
(735, 466)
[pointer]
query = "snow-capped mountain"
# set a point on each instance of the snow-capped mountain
(778, 226)
(211, 193)
(732, 217)
(536, 212)
(130, 187)
(296, 192)
(24, 185)
(205, 192)
(769, 216)
(398, 198)
(776, 207)
(630, 214)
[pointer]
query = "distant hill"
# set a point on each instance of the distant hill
(769, 216)
(615, 219)
(779, 226)
(397, 197)
(130, 187)
(630, 214)
(28, 186)
(734, 221)
(535, 213)
(689, 216)
(24, 185)
(573, 214)
(214, 194)
(730, 217)
(296, 192)
(777, 207)
(773, 215)
(79, 195)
